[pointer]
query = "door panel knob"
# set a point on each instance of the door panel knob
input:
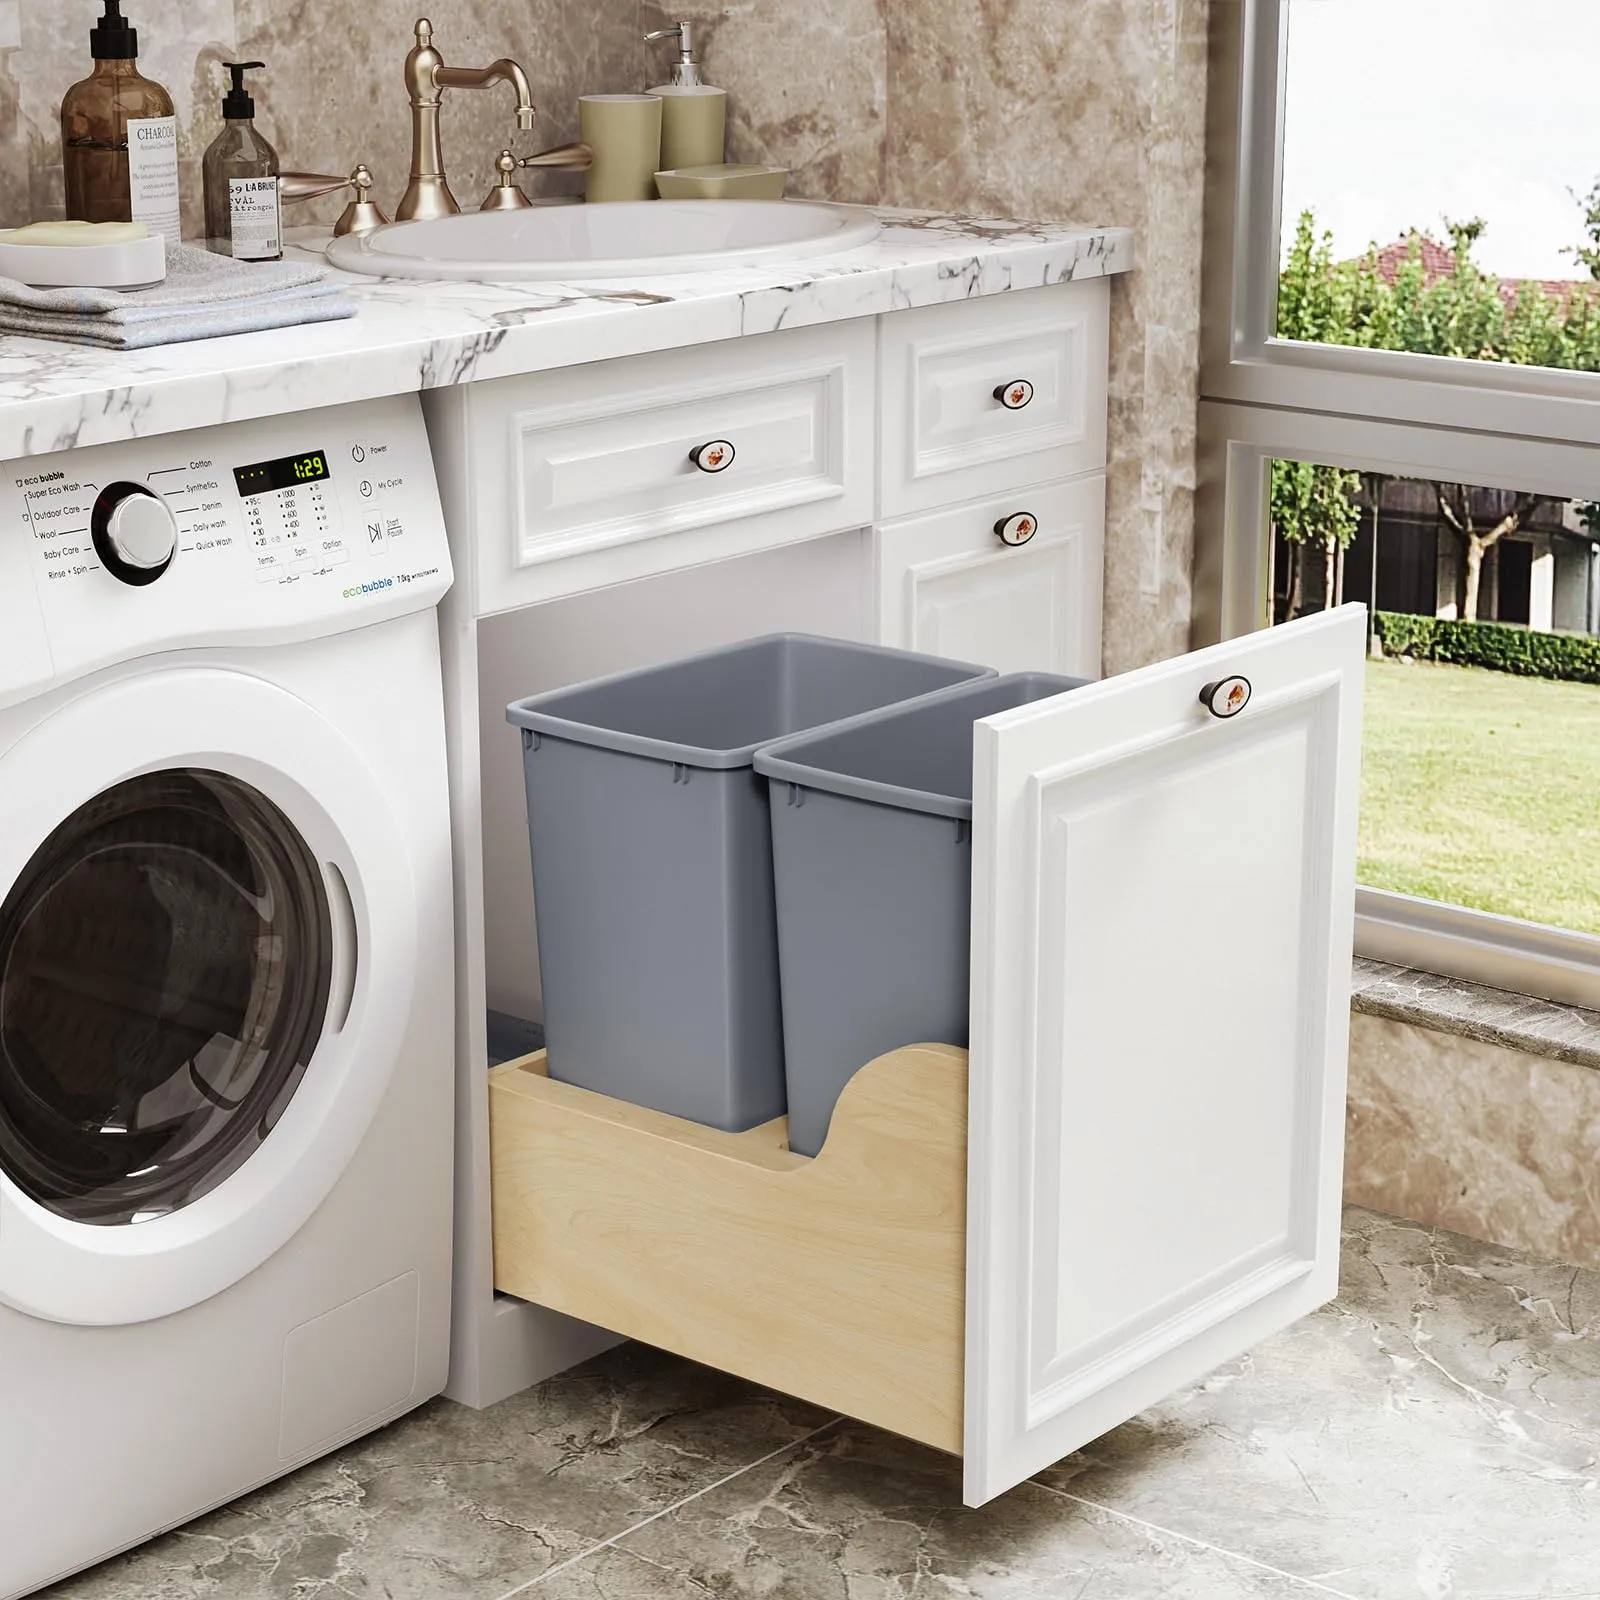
(1014, 395)
(716, 455)
(1017, 529)
(1227, 697)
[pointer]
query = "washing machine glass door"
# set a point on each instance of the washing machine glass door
(208, 961)
(165, 960)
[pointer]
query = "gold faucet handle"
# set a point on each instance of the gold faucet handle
(562, 157)
(360, 216)
(363, 214)
(507, 194)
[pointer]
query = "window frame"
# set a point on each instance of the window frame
(1263, 398)
(1242, 359)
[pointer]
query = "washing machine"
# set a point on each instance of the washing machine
(226, 990)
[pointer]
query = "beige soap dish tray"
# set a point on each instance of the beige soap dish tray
(726, 182)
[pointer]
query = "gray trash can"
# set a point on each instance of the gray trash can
(652, 863)
(872, 850)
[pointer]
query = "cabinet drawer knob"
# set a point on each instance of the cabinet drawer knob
(1014, 395)
(715, 455)
(1017, 529)
(1227, 697)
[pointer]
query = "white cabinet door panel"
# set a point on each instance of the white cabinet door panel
(1162, 911)
(949, 586)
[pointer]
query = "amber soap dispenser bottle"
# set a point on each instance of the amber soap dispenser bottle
(119, 136)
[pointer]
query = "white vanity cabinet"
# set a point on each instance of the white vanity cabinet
(1134, 1172)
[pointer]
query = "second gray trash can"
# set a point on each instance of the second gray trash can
(652, 863)
(872, 850)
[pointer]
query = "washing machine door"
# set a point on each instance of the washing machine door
(206, 964)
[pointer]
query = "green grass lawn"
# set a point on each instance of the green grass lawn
(1483, 789)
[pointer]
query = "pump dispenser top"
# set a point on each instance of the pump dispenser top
(685, 70)
(113, 37)
(237, 106)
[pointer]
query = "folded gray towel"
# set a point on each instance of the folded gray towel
(204, 296)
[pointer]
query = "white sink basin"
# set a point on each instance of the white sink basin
(627, 240)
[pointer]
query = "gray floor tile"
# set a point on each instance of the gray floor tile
(452, 1504)
(1435, 1435)
(855, 1514)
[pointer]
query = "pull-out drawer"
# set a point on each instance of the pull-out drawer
(627, 468)
(1014, 582)
(991, 395)
(1138, 1179)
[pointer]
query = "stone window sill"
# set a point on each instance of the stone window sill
(1450, 1005)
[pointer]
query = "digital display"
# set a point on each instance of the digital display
(266, 476)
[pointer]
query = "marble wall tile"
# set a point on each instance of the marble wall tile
(806, 88)
(1468, 1135)
(1084, 110)
(182, 44)
(332, 93)
(338, 95)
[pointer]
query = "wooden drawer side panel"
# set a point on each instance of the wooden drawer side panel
(840, 1280)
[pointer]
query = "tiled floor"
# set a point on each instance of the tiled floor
(1435, 1435)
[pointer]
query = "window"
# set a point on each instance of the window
(1440, 187)
(1330, 106)
(1480, 847)
(1481, 765)
(1399, 422)
(1389, 124)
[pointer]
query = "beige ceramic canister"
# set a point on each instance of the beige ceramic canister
(694, 116)
(624, 131)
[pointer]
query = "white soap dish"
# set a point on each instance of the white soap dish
(128, 264)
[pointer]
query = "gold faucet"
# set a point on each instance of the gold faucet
(427, 77)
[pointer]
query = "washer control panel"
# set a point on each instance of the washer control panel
(253, 532)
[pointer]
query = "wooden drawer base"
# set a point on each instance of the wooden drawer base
(840, 1279)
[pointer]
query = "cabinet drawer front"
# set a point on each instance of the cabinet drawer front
(992, 393)
(949, 585)
(601, 462)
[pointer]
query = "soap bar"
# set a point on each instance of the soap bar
(67, 235)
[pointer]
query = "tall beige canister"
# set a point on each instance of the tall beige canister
(624, 131)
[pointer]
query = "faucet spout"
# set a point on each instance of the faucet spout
(501, 71)
(427, 77)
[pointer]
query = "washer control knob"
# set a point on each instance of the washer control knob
(135, 534)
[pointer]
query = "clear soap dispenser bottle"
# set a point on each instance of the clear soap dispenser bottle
(244, 216)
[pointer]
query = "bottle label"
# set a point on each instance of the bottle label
(153, 173)
(254, 219)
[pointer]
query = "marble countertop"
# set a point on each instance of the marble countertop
(410, 335)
